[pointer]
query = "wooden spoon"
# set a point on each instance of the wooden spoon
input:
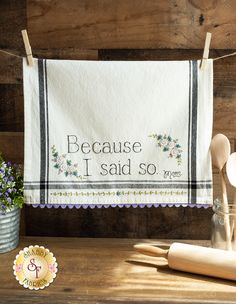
(220, 152)
(231, 173)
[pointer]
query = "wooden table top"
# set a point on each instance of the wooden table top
(109, 270)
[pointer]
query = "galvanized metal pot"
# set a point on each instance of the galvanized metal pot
(9, 230)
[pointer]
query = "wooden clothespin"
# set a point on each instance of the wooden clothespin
(206, 51)
(27, 48)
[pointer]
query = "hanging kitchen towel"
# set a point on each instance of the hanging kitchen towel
(117, 133)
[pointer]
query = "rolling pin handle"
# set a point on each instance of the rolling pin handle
(151, 250)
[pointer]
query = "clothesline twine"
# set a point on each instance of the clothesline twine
(217, 58)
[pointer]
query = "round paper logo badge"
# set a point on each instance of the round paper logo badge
(35, 267)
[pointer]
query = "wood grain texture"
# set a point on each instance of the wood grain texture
(117, 222)
(129, 24)
(12, 21)
(12, 112)
(11, 146)
(11, 68)
(110, 271)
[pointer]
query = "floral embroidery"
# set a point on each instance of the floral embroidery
(64, 165)
(170, 145)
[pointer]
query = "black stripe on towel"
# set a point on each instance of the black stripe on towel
(194, 130)
(42, 129)
(189, 126)
(47, 130)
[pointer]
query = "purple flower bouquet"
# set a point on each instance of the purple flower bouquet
(11, 186)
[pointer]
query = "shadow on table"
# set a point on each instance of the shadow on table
(165, 269)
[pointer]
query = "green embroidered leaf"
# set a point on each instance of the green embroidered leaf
(166, 143)
(64, 165)
(68, 162)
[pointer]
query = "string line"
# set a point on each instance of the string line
(217, 58)
(11, 54)
(224, 56)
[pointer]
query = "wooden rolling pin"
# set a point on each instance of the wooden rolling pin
(196, 259)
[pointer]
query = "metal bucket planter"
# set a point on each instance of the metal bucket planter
(9, 230)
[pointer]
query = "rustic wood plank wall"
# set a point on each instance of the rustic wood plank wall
(116, 30)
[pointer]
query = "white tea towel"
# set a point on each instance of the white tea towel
(108, 133)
